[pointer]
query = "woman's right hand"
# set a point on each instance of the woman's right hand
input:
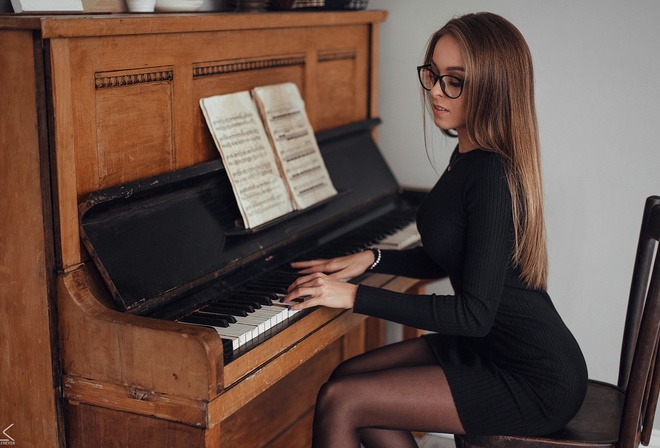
(340, 268)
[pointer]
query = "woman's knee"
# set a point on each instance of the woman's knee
(329, 395)
(344, 368)
(335, 398)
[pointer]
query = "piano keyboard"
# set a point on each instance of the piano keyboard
(405, 237)
(248, 315)
(242, 329)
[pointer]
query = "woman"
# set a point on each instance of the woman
(500, 360)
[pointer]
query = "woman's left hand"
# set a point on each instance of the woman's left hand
(319, 289)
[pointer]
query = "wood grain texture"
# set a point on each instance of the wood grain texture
(28, 388)
(117, 99)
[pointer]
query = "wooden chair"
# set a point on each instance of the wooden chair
(615, 416)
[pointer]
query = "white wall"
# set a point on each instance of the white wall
(597, 68)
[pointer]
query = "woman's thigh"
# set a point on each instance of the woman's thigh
(412, 352)
(415, 397)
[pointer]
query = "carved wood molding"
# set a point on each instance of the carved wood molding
(105, 80)
(233, 66)
(336, 55)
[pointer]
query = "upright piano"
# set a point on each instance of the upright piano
(127, 240)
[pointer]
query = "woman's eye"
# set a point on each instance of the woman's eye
(455, 82)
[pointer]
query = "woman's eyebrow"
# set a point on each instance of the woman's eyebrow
(456, 68)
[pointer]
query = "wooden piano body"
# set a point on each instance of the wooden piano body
(97, 101)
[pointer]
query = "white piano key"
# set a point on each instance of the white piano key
(234, 338)
(248, 328)
(258, 322)
(244, 333)
(402, 238)
(273, 314)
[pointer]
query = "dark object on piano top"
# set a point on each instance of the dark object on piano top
(159, 238)
(310, 5)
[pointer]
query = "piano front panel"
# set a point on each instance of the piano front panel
(128, 105)
(337, 91)
(142, 135)
(235, 75)
(280, 417)
(90, 426)
(288, 399)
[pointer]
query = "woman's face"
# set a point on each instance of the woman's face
(448, 113)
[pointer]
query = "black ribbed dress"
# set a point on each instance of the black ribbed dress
(512, 365)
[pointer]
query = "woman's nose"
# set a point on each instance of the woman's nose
(436, 90)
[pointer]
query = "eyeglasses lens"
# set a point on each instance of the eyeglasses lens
(427, 78)
(450, 85)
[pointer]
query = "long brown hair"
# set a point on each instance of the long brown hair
(501, 117)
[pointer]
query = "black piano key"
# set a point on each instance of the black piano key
(281, 285)
(205, 295)
(269, 287)
(228, 309)
(263, 289)
(207, 312)
(284, 273)
(283, 280)
(272, 281)
(204, 320)
(249, 305)
(260, 291)
(228, 349)
(261, 299)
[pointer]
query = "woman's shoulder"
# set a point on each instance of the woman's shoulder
(483, 162)
(475, 167)
(486, 156)
(487, 174)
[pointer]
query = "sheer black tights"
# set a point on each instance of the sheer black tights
(377, 398)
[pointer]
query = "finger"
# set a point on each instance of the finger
(341, 276)
(315, 278)
(330, 267)
(304, 304)
(323, 266)
(297, 295)
(300, 281)
(313, 269)
(307, 263)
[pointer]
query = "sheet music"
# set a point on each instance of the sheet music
(283, 111)
(248, 157)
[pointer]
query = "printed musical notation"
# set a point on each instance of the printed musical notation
(283, 111)
(269, 151)
(248, 157)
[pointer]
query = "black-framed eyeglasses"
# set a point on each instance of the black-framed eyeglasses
(451, 86)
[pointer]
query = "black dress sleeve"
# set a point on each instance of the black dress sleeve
(484, 209)
(414, 263)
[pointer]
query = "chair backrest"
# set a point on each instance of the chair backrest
(639, 369)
